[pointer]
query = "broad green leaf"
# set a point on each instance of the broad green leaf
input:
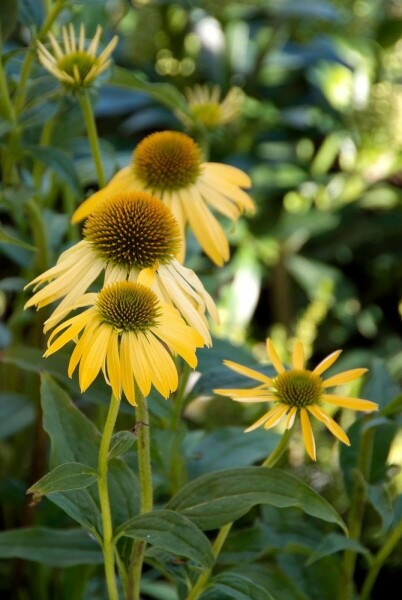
(120, 444)
(317, 581)
(224, 496)
(335, 542)
(69, 476)
(269, 577)
(165, 93)
(59, 162)
(31, 12)
(380, 499)
(236, 587)
(54, 547)
(172, 532)
(16, 413)
(6, 238)
(229, 447)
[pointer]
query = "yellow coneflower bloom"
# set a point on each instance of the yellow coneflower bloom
(168, 164)
(133, 236)
(128, 334)
(207, 108)
(76, 66)
(298, 391)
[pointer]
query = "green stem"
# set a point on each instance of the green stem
(146, 499)
(180, 397)
(108, 543)
(4, 93)
(277, 452)
(45, 138)
(356, 510)
(202, 580)
(89, 118)
(379, 560)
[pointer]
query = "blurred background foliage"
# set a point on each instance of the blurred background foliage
(319, 132)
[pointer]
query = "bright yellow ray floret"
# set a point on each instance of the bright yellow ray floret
(298, 391)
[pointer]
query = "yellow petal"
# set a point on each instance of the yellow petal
(308, 436)
(260, 421)
(332, 425)
(76, 325)
(229, 173)
(275, 416)
(343, 377)
(290, 419)
(327, 362)
(94, 357)
(206, 229)
(244, 392)
(352, 403)
(113, 364)
(277, 363)
(127, 377)
(163, 369)
(248, 372)
(140, 365)
(146, 277)
(298, 355)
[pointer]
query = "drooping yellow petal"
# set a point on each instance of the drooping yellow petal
(248, 372)
(75, 325)
(343, 377)
(352, 403)
(94, 357)
(146, 277)
(276, 361)
(164, 372)
(260, 421)
(298, 355)
(113, 364)
(332, 425)
(229, 173)
(206, 229)
(83, 343)
(127, 378)
(327, 362)
(276, 416)
(308, 436)
(139, 364)
(290, 419)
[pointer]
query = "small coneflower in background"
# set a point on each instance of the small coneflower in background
(298, 392)
(207, 108)
(169, 165)
(75, 65)
(127, 333)
(132, 236)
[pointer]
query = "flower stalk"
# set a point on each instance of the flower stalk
(87, 111)
(107, 539)
(146, 496)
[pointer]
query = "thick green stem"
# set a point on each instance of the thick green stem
(356, 511)
(146, 498)
(379, 560)
(45, 139)
(107, 542)
(89, 118)
(202, 580)
(39, 234)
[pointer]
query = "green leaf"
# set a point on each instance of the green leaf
(120, 444)
(229, 447)
(162, 92)
(224, 496)
(335, 542)
(70, 476)
(237, 587)
(54, 547)
(31, 12)
(59, 162)
(380, 499)
(6, 238)
(172, 532)
(16, 413)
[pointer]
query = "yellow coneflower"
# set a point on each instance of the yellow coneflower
(128, 334)
(74, 65)
(133, 236)
(168, 164)
(298, 391)
(207, 108)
